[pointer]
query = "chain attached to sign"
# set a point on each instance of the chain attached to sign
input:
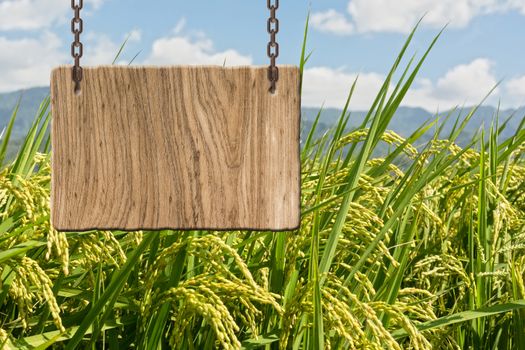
(77, 49)
(273, 45)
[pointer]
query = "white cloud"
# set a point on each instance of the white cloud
(517, 4)
(402, 15)
(330, 87)
(465, 84)
(31, 14)
(96, 4)
(332, 21)
(99, 49)
(186, 50)
(27, 62)
(462, 85)
(36, 14)
(134, 36)
(515, 91)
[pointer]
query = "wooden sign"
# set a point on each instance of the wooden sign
(175, 148)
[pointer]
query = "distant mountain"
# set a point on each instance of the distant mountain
(408, 119)
(30, 100)
(405, 121)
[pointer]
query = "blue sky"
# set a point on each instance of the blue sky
(481, 46)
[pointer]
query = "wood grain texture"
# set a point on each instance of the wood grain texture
(175, 148)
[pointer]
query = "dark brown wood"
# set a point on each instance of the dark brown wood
(175, 147)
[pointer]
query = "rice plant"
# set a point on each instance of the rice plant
(422, 248)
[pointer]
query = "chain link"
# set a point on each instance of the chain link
(273, 45)
(77, 49)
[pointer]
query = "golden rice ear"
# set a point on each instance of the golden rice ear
(31, 283)
(214, 295)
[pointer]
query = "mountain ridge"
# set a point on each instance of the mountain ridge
(405, 121)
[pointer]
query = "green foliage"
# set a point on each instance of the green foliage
(420, 249)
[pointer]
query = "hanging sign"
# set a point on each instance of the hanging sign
(182, 147)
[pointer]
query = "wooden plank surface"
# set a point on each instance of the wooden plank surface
(175, 147)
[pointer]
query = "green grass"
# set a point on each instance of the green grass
(420, 249)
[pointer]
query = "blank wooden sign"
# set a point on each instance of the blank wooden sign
(175, 148)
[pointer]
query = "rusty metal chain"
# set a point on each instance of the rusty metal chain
(273, 45)
(77, 49)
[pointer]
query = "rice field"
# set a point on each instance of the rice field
(421, 248)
